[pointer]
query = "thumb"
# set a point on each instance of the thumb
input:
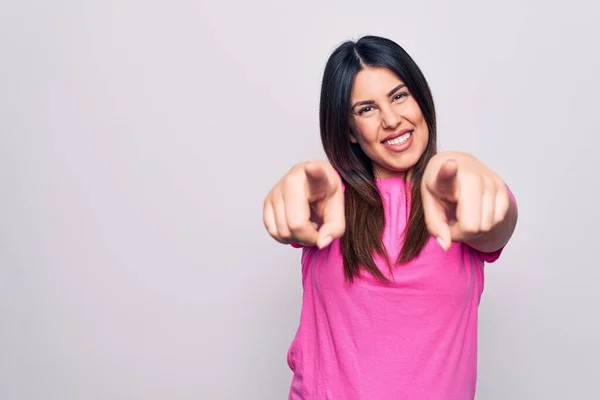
(435, 218)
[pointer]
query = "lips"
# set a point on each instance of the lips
(396, 135)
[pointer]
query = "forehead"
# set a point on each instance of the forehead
(371, 83)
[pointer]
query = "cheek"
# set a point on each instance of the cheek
(366, 132)
(418, 120)
(423, 134)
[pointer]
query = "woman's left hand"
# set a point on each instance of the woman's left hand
(462, 198)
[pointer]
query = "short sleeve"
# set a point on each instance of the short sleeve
(490, 257)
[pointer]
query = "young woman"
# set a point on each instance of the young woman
(394, 238)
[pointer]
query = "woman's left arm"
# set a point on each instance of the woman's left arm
(465, 201)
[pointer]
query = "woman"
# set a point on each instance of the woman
(394, 237)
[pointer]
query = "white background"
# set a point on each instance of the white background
(139, 138)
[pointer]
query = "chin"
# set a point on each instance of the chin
(404, 166)
(388, 171)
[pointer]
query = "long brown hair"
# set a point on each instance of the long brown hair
(363, 204)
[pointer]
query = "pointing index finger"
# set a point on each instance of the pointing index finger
(318, 184)
(445, 184)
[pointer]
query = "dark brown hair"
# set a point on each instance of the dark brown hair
(363, 203)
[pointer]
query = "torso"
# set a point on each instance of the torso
(413, 338)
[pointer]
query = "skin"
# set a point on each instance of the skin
(393, 110)
(463, 199)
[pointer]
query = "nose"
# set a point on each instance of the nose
(389, 119)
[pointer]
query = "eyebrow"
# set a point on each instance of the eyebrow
(369, 102)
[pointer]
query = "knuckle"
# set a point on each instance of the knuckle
(485, 227)
(284, 184)
(504, 197)
(272, 232)
(503, 210)
(296, 225)
(268, 197)
(275, 193)
(487, 179)
(476, 180)
(290, 183)
(285, 236)
(487, 182)
(469, 228)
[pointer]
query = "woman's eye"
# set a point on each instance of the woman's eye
(364, 110)
(400, 96)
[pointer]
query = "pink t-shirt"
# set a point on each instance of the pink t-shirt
(412, 339)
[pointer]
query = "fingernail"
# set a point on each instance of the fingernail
(441, 243)
(325, 242)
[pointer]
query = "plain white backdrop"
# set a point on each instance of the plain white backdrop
(139, 138)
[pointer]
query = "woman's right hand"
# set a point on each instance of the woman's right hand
(306, 206)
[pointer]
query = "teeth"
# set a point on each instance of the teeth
(399, 140)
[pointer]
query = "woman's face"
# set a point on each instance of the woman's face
(387, 122)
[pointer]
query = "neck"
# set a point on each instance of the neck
(405, 175)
